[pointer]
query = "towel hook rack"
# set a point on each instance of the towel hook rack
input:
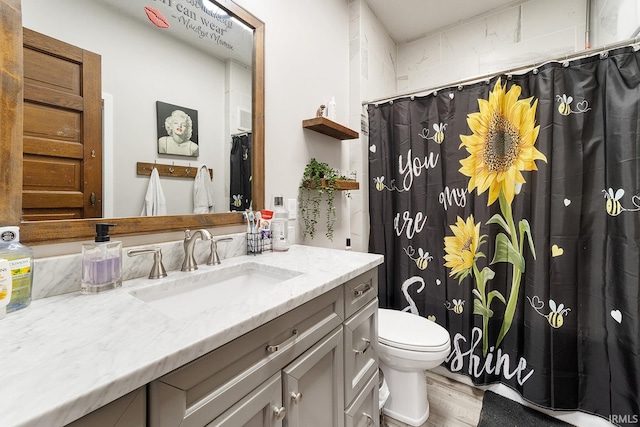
(167, 170)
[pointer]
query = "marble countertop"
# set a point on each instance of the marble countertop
(68, 355)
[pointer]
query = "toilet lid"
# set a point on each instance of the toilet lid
(407, 331)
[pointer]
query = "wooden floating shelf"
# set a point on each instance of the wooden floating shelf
(341, 184)
(169, 170)
(330, 128)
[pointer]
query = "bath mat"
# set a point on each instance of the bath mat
(498, 411)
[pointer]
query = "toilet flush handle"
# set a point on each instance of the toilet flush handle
(366, 347)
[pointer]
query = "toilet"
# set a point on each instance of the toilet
(407, 346)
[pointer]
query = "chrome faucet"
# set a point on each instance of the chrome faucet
(213, 257)
(190, 238)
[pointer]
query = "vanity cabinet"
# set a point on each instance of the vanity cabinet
(303, 346)
(315, 365)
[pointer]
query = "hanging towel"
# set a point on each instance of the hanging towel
(154, 201)
(203, 192)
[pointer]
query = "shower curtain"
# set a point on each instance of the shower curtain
(508, 211)
(240, 183)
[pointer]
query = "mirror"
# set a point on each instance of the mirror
(11, 146)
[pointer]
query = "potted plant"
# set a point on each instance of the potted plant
(318, 179)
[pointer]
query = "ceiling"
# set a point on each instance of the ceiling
(407, 20)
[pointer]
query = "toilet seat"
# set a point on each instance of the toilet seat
(408, 331)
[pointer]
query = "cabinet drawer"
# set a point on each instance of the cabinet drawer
(364, 411)
(360, 343)
(359, 291)
(200, 391)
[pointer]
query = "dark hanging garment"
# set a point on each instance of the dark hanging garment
(508, 211)
(240, 185)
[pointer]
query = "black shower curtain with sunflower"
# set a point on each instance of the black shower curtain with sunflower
(508, 211)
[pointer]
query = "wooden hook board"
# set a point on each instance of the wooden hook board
(170, 170)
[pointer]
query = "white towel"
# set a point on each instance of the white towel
(154, 201)
(203, 192)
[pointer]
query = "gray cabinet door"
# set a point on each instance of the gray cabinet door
(313, 385)
(260, 408)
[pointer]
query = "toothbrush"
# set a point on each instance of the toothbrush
(252, 218)
(245, 214)
(258, 232)
(258, 222)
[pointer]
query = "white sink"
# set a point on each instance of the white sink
(198, 291)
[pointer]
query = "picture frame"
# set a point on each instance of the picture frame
(177, 130)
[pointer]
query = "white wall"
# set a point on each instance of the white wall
(307, 62)
(614, 20)
(372, 73)
(136, 79)
(533, 31)
(528, 33)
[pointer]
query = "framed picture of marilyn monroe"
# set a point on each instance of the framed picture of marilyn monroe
(177, 130)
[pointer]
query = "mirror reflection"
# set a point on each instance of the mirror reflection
(188, 54)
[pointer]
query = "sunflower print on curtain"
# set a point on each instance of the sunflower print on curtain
(508, 212)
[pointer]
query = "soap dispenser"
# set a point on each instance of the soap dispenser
(101, 262)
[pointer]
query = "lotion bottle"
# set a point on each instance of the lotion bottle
(101, 262)
(331, 109)
(280, 226)
(20, 259)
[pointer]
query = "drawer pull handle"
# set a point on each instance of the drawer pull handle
(274, 348)
(279, 412)
(296, 397)
(369, 419)
(362, 289)
(366, 347)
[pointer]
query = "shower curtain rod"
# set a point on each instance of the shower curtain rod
(628, 42)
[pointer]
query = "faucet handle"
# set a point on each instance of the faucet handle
(213, 257)
(157, 270)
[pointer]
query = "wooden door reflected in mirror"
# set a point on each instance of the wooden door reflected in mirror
(11, 145)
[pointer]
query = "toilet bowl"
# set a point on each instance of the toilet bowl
(407, 346)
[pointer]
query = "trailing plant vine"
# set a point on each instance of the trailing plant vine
(318, 179)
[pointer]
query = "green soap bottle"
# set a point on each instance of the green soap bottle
(20, 259)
